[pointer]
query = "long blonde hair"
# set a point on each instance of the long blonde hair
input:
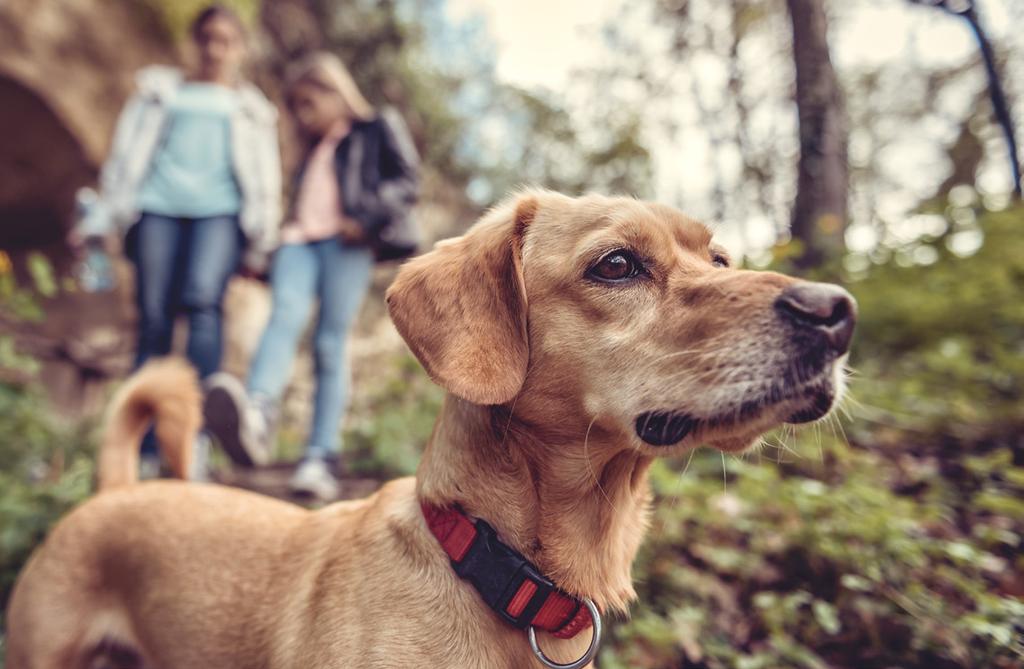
(326, 71)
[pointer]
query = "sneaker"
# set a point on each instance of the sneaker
(199, 470)
(150, 466)
(313, 478)
(241, 428)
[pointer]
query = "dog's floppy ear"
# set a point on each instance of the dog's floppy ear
(462, 307)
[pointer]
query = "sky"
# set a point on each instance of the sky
(540, 43)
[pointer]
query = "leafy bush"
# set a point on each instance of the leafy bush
(388, 437)
(821, 564)
(947, 339)
(20, 304)
(45, 470)
(177, 16)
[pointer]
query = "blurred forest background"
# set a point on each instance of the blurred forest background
(889, 536)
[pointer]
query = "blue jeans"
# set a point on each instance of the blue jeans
(339, 276)
(184, 265)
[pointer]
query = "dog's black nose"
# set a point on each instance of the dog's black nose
(823, 307)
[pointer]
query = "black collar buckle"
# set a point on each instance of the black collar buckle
(497, 572)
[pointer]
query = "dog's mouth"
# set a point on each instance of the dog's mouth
(796, 398)
(664, 428)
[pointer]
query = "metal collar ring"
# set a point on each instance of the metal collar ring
(595, 642)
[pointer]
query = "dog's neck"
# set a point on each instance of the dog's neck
(577, 509)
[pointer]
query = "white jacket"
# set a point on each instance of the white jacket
(140, 129)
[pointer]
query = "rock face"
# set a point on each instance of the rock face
(66, 67)
(41, 165)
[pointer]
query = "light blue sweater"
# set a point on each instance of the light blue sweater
(192, 173)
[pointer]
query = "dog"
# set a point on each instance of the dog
(577, 340)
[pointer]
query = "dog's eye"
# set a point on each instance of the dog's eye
(718, 260)
(616, 266)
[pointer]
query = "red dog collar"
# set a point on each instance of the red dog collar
(507, 581)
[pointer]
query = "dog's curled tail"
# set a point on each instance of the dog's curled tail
(164, 393)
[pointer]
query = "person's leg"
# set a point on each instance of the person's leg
(293, 283)
(157, 258)
(214, 249)
(242, 417)
(343, 285)
(158, 255)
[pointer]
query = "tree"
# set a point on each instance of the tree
(1000, 107)
(533, 139)
(820, 208)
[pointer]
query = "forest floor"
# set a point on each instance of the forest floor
(272, 480)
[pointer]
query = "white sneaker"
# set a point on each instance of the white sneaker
(199, 470)
(241, 428)
(314, 478)
(150, 466)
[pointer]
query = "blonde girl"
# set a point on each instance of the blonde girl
(352, 198)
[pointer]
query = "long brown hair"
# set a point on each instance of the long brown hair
(326, 71)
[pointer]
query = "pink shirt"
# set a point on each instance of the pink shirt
(317, 213)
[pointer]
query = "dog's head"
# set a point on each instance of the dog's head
(621, 317)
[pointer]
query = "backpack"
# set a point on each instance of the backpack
(377, 167)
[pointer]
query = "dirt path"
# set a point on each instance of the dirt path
(273, 481)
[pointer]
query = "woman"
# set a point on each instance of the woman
(352, 199)
(194, 178)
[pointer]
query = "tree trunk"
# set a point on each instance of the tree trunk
(819, 212)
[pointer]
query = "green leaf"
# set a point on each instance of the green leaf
(41, 271)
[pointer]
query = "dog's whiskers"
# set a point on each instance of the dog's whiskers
(791, 436)
(758, 449)
(842, 431)
(508, 424)
(844, 408)
(725, 477)
(711, 369)
(708, 346)
(782, 443)
(590, 466)
(691, 351)
(679, 481)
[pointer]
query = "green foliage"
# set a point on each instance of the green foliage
(19, 304)
(819, 563)
(947, 338)
(177, 15)
(16, 302)
(45, 469)
(395, 424)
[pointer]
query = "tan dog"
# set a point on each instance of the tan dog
(578, 340)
